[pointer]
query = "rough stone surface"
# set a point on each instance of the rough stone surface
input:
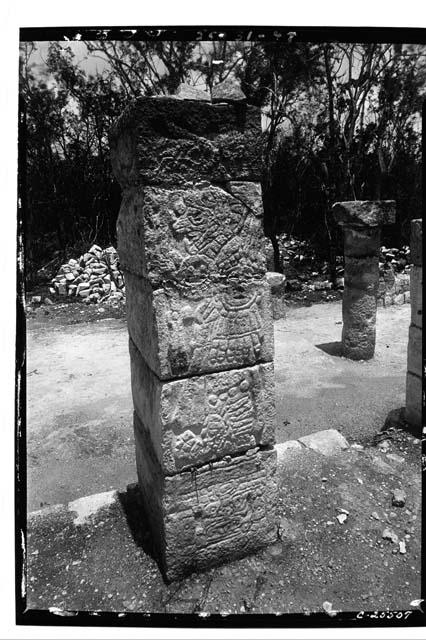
(167, 141)
(193, 239)
(359, 324)
(227, 91)
(414, 360)
(178, 336)
(416, 242)
(414, 400)
(203, 418)
(362, 274)
(364, 213)
(189, 92)
(328, 442)
(192, 248)
(275, 280)
(399, 498)
(217, 512)
(416, 295)
(360, 242)
(361, 221)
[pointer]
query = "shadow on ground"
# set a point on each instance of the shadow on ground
(137, 520)
(331, 348)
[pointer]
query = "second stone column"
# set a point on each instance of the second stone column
(361, 221)
(190, 242)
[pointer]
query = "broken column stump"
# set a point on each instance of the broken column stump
(361, 221)
(190, 243)
(414, 391)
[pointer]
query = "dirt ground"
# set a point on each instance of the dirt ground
(104, 562)
(80, 443)
(79, 408)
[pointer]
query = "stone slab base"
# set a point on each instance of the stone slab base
(194, 420)
(215, 513)
(414, 400)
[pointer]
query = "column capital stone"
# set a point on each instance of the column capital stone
(364, 213)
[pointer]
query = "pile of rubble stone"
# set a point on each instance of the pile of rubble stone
(94, 277)
(304, 272)
(398, 259)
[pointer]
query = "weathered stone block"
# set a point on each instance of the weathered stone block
(416, 295)
(202, 418)
(189, 92)
(193, 239)
(364, 213)
(414, 400)
(214, 513)
(231, 327)
(168, 141)
(362, 274)
(358, 306)
(358, 343)
(416, 242)
(359, 324)
(227, 91)
(360, 242)
(414, 361)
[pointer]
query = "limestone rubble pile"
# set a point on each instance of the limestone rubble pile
(94, 277)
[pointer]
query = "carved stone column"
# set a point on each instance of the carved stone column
(190, 243)
(414, 391)
(361, 221)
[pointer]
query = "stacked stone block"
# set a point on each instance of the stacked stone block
(361, 221)
(190, 243)
(414, 392)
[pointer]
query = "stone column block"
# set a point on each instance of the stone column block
(414, 391)
(167, 141)
(414, 359)
(192, 248)
(179, 336)
(219, 511)
(416, 295)
(361, 222)
(203, 418)
(416, 242)
(414, 400)
(193, 239)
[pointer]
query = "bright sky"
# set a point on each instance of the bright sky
(89, 63)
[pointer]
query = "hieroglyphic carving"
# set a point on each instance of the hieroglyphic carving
(202, 418)
(229, 328)
(191, 245)
(216, 512)
(193, 238)
(167, 142)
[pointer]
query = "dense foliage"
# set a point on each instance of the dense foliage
(342, 122)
